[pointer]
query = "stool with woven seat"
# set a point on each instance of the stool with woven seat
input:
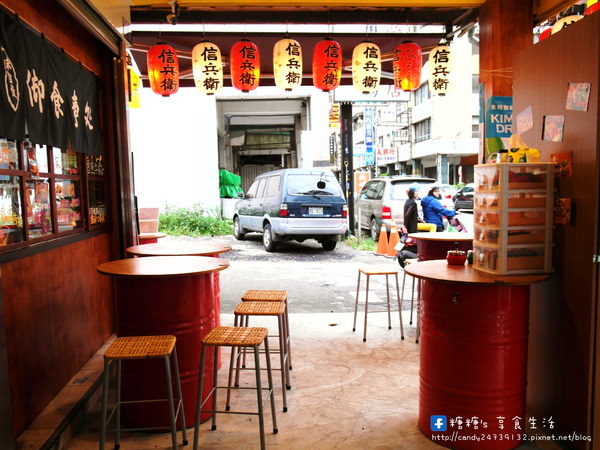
(142, 347)
(272, 295)
(243, 312)
(371, 271)
(236, 338)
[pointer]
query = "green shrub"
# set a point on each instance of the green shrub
(195, 221)
(365, 244)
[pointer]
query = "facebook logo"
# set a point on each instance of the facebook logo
(439, 423)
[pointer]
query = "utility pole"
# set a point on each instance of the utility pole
(347, 160)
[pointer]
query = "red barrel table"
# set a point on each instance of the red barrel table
(150, 238)
(187, 248)
(436, 245)
(473, 369)
(164, 295)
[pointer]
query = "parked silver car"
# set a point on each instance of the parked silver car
(383, 198)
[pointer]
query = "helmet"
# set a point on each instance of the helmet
(413, 187)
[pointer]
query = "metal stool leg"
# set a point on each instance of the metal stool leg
(366, 309)
(356, 302)
(180, 408)
(214, 392)
(171, 401)
(289, 338)
(271, 390)
(285, 374)
(399, 307)
(261, 422)
(412, 300)
(105, 378)
(387, 289)
(199, 396)
(418, 311)
(118, 403)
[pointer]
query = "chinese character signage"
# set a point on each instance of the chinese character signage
(439, 70)
(287, 64)
(207, 67)
(386, 156)
(369, 138)
(245, 65)
(327, 65)
(45, 92)
(163, 69)
(366, 67)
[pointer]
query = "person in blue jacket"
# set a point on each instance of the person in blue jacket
(433, 211)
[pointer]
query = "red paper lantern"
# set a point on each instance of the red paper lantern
(545, 34)
(163, 69)
(592, 6)
(327, 65)
(407, 66)
(245, 65)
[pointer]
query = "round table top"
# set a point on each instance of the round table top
(163, 266)
(443, 236)
(179, 248)
(440, 270)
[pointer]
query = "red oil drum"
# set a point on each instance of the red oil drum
(473, 371)
(182, 306)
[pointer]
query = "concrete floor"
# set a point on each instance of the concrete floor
(345, 393)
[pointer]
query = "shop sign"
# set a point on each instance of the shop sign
(45, 92)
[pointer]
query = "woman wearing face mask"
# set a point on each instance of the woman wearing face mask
(433, 211)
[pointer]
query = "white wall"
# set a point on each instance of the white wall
(175, 149)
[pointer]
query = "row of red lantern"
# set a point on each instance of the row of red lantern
(163, 68)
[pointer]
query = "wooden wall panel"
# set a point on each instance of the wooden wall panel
(58, 311)
(563, 312)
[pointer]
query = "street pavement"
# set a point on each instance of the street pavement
(317, 281)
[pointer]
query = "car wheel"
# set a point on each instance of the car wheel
(268, 242)
(374, 229)
(329, 245)
(238, 231)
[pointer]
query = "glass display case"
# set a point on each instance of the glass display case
(513, 218)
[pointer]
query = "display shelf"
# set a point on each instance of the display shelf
(512, 218)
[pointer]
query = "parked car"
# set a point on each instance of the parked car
(294, 204)
(463, 199)
(447, 191)
(383, 198)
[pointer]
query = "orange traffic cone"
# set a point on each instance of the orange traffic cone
(382, 244)
(394, 240)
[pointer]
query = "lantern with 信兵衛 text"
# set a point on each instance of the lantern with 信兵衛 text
(163, 69)
(439, 70)
(287, 64)
(327, 65)
(407, 66)
(366, 67)
(207, 66)
(245, 65)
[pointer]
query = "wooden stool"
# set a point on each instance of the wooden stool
(236, 338)
(142, 347)
(242, 313)
(378, 271)
(263, 295)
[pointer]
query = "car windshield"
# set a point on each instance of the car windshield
(313, 184)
